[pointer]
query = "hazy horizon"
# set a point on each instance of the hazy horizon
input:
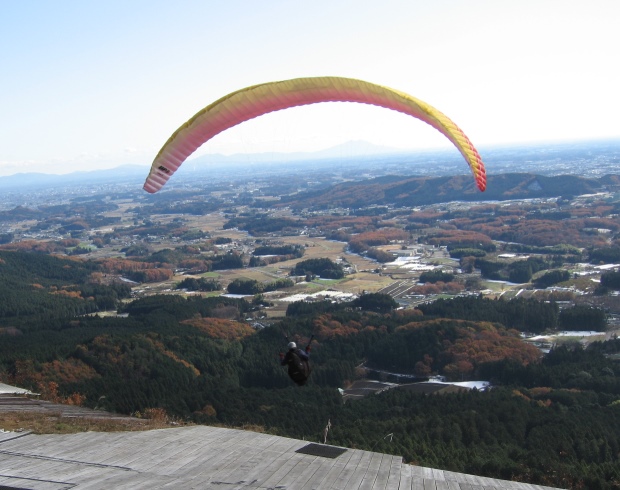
(363, 154)
(346, 150)
(98, 84)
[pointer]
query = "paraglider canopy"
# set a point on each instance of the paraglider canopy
(257, 100)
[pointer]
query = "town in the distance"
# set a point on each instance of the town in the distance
(404, 225)
(400, 275)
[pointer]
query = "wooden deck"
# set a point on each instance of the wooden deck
(203, 457)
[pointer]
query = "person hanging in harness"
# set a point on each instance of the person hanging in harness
(298, 362)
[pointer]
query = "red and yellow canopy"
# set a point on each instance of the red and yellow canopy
(257, 100)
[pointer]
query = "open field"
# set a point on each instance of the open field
(367, 276)
(315, 247)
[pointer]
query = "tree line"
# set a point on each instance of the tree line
(549, 419)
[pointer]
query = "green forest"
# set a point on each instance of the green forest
(551, 419)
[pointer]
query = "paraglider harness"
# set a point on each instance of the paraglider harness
(298, 363)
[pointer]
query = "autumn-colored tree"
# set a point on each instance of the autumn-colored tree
(326, 327)
(221, 329)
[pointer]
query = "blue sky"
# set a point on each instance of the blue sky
(96, 84)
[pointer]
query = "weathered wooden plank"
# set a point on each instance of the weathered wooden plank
(83, 449)
(263, 464)
(441, 484)
(260, 469)
(8, 435)
(450, 476)
(453, 485)
(11, 444)
(280, 473)
(186, 459)
(339, 465)
(272, 465)
(234, 461)
(81, 474)
(58, 464)
(426, 472)
(246, 455)
(100, 451)
(394, 476)
(481, 481)
(485, 481)
(34, 484)
(429, 484)
(471, 479)
(370, 476)
(55, 470)
(166, 444)
(493, 484)
(185, 454)
(356, 467)
(437, 474)
(40, 468)
(212, 459)
(74, 470)
(133, 481)
(383, 473)
(209, 458)
(327, 472)
(314, 479)
(140, 453)
(339, 481)
(124, 448)
(314, 472)
(405, 477)
(417, 483)
(505, 485)
(302, 465)
(15, 463)
(457, 477)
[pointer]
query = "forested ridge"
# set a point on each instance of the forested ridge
(552, 420)
(41, 289)
(426, 190)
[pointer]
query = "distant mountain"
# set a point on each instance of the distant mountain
(127, 173)
(356, 157)
(130, 174)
